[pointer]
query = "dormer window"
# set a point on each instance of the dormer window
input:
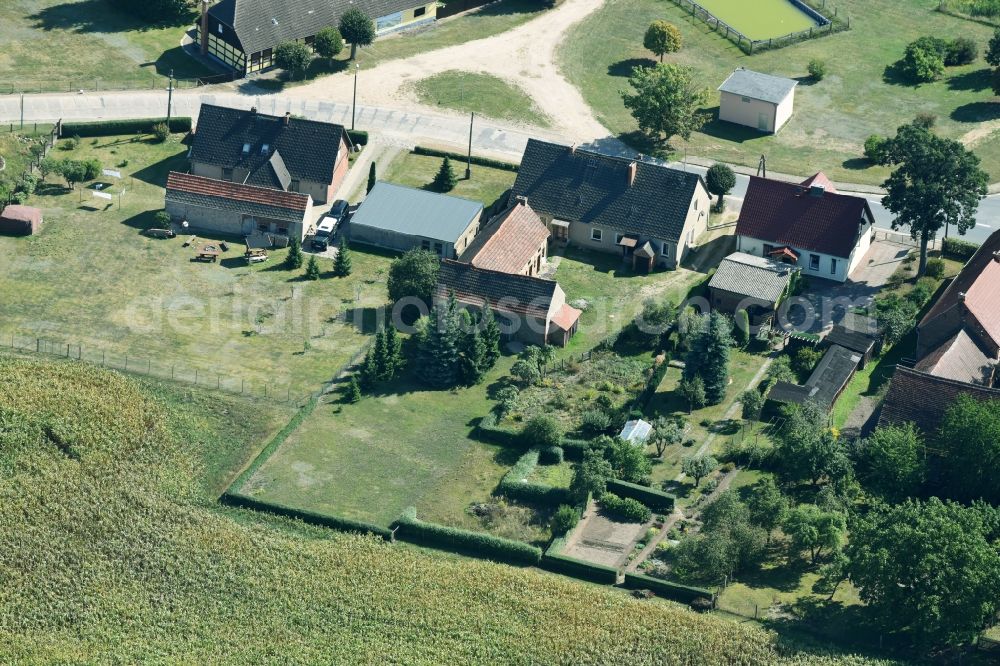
(263, 149)
(246, 148)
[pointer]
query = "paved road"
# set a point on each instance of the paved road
(394, 126)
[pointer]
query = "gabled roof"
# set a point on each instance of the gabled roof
(636, 431)
(185, 188)
(309, 149)
(923, 399)
(959, 358)
(979, 281)
(819, 179)
(825, 383)
(790, 214)
(854, 340)
(506, 292)
(509, 241)
(755, 85)
(579, 185)
(756, 277)
(263, 24)
(406, 210)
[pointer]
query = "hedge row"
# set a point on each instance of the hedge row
(489, 431)
(625, 509)
(664, 588)
(481, 161)
(323, 520)
(654, 499)
(127, 126)
(958, 248)
(358, 137)
(570, 566)
(514, 486)
(464, 542)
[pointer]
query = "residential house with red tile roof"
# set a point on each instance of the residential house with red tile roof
(224, 207)
(808, 224)
(514, 241)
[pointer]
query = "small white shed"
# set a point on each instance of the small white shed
(636, 432)
(761, 101)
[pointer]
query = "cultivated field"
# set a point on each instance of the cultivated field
(833, 117)
(92, 281)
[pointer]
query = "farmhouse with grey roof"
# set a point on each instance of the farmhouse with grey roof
(648, 213)
(243, 34)
(402, 218)
(280, 152)
(757, 100)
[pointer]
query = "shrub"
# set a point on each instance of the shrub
(805, 360)
(958, 248)
(333, 522)
(935, 268)
(816, 69)
(551, 455)
(570, 566)
(961, 51)
(69, 144)
(161, 132)
(925, 120)
(666, 589)
(476, 544)
(594, 422)
(625, 508)
(875, 148)
(564, 519)
(922, 291)
(542, 431)
(131, 126)
(91, 169)
(923, 59)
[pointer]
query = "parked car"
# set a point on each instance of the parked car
(328, 225)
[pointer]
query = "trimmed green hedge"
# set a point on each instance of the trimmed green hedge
(958, 248)
(128, 126)
(323, 520)
(514, 487)
(358, 137)
(570, 566)
(664, 588)
(488, 430)
(481, 161)
(625, 508)
(655, 499)
(464, 542)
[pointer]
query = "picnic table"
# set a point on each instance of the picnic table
(208, 252)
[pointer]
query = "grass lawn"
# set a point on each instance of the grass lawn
(557, 476)
(73, 44)
(92, 279)
(405, 447)
(485, 94)
(761, 20)
(14, 148)
(833, 117)
(486, 184)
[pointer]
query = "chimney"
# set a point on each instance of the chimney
(817, 191)
(288, 116)
(632, 168)
(996, 256)
(572, 149)
(253, 110)
(204, 26)
(521, 200)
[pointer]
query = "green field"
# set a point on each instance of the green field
(411, 170)
(762, 19)
(92, 281)
(832, 118)
(484, 94)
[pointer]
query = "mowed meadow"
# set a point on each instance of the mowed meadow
(116, 552)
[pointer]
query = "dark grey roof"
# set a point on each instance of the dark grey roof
(406, 210)
(309, 148)
(853, 340)
(756, 277)
(263, 24)
(790, 394)
(825, 383)
(748, 83)
(506, 292)
(579, 185)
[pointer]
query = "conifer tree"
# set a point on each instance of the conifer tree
(709, 357)
(342, 264)
(472, 365)
(312, 268)
(293, 259)
(394, 350)
(383, 364)
(369, 369)
(438, 351)
(491, 338)
(445, 180)
(352, 393)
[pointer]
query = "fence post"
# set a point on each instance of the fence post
(38, 345)
(126, 362)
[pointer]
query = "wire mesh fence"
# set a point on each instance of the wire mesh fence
(76, 85)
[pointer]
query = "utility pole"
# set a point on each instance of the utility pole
(22, 110)
(170, 97)
(354, 104)
(468, 164)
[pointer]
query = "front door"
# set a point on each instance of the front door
(249, 224)
(762, 122)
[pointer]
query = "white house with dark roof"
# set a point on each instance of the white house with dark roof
(757, 100)
(648, 213)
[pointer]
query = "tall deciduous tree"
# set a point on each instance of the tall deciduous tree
(662, 38)
(931, 569)
(814, 530)
(357, 28)
(709, 357)
(720, 180)
(937, 182)
(693, 390)
(293, 57)
(752, 402)
(767, 505)
(969, 445)
(328, 43)
(993, 49)
(892, 461)
(806, 449)
(413, 275)
(628, 461)
(590, 475)
(698, 467)
(666, 102)
(666, 433)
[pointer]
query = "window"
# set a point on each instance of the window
(283, 231)
(696, 204)
(814, 262)
(227, 174)
(745, 100)
(618, 238)
(425, 245)
(439, 248)
(419, 11)
(833, 266)
(596, 235)
(263, 227)
(665, 249)
(263, 149)
(246, 148)
(219, 27)
(294, 186)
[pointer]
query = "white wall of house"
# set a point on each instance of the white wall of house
(695, 225)
(813, 264)
(864, 243)
(755, 113)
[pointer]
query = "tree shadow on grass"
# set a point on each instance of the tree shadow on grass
(896, 75)
(156, 173)
(95, 16)
(142, 221)
(976, 112)
(624, 68)
(857, 163)
(785, 576)
(976, 81)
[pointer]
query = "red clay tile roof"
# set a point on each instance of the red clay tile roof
(787, 214)
(923, 399)
(566, 317)
(819, 178)
(979, 280)
(509, 241)
(224, 189)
